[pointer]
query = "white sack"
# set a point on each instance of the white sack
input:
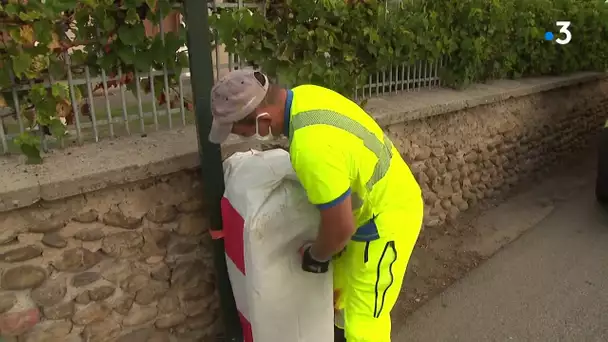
(281, 302)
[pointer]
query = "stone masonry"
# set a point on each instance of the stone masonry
(462, 157)
(129, 264)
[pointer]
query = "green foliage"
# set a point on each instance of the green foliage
(35, 37)
(337, 44)
(29, 144)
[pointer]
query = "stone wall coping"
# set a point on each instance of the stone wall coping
(390, 110)
(80, 170)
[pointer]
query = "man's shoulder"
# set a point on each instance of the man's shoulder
(313, 89)
(308, 146)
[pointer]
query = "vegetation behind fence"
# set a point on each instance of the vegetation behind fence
(56, 55)
(341, 44)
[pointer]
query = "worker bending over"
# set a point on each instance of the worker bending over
(371, 206)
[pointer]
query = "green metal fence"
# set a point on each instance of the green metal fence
(400, 78)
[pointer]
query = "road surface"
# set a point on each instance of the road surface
(549, 285)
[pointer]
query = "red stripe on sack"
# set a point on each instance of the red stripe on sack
(247, 331)
(234, 227)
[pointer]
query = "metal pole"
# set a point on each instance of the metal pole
(201, 73)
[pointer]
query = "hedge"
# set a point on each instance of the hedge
(339, 44)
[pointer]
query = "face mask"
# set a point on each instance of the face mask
(257, 135)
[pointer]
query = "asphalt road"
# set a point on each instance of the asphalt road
(549, 285)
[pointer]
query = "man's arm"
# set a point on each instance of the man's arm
(324, 173)
(337, 227)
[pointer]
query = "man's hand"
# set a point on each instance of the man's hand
(310, 263)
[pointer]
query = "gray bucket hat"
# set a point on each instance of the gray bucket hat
(233, 97)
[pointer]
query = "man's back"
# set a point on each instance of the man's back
(337, 147)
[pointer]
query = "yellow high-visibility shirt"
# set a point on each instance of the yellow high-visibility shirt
(337, 150)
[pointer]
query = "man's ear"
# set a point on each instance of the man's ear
(264, 118)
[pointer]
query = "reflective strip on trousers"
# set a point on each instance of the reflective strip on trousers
(382, 149)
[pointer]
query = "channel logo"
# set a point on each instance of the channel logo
(565, 36)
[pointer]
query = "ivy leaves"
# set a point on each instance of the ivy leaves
(29, 145)
(338, 44)
(301, 43)
(131, 35)
(335, 44)
(21, 63)
(37, 39)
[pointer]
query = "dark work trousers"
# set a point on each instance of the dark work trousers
(601, 182)
(339, 335)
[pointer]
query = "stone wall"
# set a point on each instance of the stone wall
(130, 263)
(465, 156)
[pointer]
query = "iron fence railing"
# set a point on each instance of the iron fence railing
(116, 111)
(401, 78)
(111, 109)
(111, 113)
